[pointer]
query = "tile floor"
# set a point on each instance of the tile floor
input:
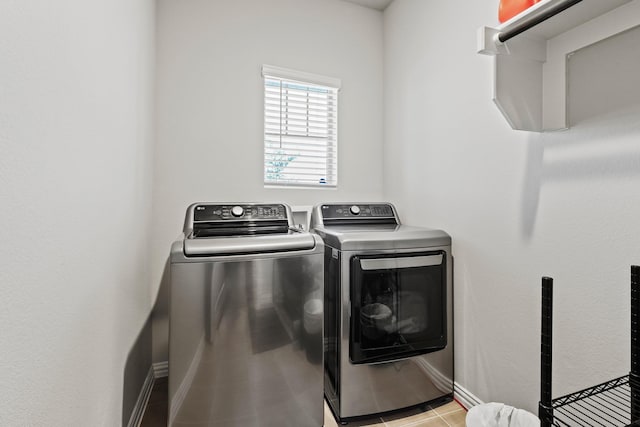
(447, 415)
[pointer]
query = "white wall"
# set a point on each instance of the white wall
(518, 205)
(75, 197)
(75, 174)
(210, 101)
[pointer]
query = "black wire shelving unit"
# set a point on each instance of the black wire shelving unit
(614, 403)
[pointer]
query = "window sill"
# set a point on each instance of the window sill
(301, 187)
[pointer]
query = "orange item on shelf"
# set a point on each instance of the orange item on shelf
(510, 8)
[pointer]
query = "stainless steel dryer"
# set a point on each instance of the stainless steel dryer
(388, 310)
(246, 316)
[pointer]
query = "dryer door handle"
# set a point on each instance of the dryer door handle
(402, 262)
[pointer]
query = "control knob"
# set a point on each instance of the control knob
(237, 211)
(355, 210)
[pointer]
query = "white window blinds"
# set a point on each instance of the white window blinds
(300, 128)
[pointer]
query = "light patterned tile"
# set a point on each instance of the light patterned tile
(416, 419)
(448, 407)
(330, 421)
(456, 418)
(429, 422)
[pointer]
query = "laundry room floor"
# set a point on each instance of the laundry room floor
(448, 415)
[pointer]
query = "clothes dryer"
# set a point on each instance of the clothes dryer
(388, 303)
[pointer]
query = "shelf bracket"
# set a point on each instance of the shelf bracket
(530, 55)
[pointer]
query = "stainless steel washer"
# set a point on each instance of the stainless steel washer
(388, 310)
(246, 317)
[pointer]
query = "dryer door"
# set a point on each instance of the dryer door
(398, 306)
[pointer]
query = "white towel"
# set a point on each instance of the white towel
(500, 415)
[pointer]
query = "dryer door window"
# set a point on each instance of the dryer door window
(398, 306)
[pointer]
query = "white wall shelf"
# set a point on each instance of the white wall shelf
(530, 87)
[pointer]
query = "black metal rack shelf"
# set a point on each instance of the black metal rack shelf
(612, 403)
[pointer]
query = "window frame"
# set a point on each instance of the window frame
(293, 78)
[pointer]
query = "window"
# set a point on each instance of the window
(300, 128)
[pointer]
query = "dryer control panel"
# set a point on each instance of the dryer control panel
(366, 211)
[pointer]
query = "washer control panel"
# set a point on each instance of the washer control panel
(357, 211)
(239, 212)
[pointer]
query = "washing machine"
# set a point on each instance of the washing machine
(245, 319)
(388, 300)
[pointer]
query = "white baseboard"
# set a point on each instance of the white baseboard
(143, 399)
(161, 369)
(465, 397)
